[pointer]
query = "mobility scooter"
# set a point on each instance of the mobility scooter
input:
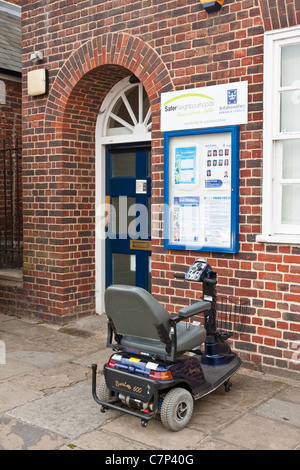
(162, 364)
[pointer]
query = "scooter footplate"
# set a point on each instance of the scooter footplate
(130, 384)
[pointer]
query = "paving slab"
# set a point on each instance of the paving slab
(40, 359)
(13, 367)
(16, 343)
(15, 435)
(53, 378)
(69, 412)
(210, 416)
(246, 392)
(155, 434)
(4, 318)
(101, 440)
(29, 330)
(211, 443)
(95, 325)
(65, 343)
(99, 357)
(13, 395)
(291, 394)
(260, 433)
(280, 410)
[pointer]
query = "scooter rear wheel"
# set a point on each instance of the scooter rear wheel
(177, 409)
(104, 393)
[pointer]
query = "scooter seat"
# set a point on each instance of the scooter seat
(140, 323)
(189, 336)
(144, 345)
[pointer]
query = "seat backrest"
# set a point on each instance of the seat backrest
(134, 312)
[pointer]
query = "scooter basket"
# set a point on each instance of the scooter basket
(232, 315)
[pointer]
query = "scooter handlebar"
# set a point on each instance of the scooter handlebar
(205, 279)
(209, 281)
(179, 275)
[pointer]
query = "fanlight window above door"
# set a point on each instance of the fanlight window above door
(130, 113)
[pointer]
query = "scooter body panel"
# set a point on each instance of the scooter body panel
(135, 376)
(217, 352)
(132, 375)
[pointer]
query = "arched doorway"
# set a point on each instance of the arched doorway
(71, 123)
(123, 188)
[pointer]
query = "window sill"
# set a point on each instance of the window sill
(11, 277)
(283, 239)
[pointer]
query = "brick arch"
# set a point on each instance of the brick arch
(116, 49)
(279, 14)
(69, 129)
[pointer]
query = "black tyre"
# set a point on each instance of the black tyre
(228, 386)
(104, 393)
(177, 409)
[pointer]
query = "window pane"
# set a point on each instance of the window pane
(124, 268)
(115, 128)
(146, 105)
(123, 164)
(290, 204)
(290, 70)
(133, 100)
(121, 111)
(291, 159)
(289, 111)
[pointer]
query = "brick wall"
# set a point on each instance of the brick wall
(168, 45)
(10, 109)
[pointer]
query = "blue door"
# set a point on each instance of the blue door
(128, 233)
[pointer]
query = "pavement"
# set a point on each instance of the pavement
(46, 400)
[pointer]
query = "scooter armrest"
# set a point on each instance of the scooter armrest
(194, 309)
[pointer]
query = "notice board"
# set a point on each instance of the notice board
(202, 189)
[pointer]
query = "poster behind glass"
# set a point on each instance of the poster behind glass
(200, 187)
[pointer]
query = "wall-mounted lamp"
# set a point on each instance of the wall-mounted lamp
(37, 82)
(211, 6)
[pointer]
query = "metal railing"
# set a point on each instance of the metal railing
(11, 220)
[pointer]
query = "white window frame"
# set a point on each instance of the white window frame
(272, 229)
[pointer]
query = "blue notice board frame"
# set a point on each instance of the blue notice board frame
(201, 189)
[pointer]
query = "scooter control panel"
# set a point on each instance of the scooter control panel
(198, 271)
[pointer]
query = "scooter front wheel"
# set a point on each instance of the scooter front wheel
(177, 409)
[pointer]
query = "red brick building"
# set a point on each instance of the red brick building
(108, 63)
